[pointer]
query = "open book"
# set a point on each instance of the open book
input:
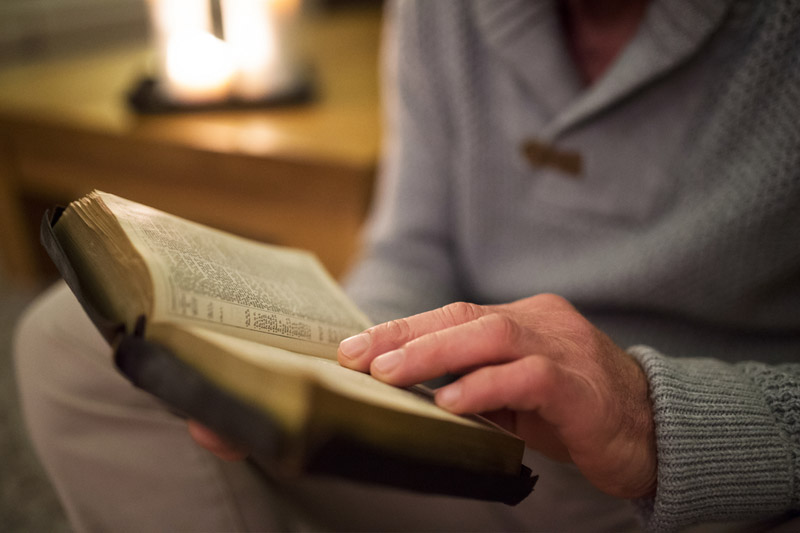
(242, 336)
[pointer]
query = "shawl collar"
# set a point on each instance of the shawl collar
(527, 35)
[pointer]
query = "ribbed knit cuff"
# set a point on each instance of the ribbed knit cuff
(721, 454)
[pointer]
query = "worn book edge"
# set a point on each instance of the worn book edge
(153, 368)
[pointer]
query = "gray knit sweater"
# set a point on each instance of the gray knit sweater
(679, 235)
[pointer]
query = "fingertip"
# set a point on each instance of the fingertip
(384, 365)
(448, 397)
(352, 348)
(212, 442)
(199, 432)
(204, 436)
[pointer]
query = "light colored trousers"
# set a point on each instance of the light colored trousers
(121, 461)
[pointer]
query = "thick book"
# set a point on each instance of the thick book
(242, 337)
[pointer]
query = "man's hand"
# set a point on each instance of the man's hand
(535, 366)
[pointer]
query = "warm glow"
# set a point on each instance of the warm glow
(199, 67)
(253, 62)
(178, 16)
(285, 8)
(257, 32)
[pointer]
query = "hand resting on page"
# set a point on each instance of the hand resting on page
(535, 366)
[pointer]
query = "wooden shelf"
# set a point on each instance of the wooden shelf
(300, 176)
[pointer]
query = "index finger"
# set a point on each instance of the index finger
(357, 352)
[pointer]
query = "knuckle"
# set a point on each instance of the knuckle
(501, 328)
(398, 329)
(553, 301)
(458, 312)
(565, 323)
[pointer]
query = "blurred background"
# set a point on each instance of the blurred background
(272, 134)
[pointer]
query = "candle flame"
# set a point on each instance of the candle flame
(199, 66)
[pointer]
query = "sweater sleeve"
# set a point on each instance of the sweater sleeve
(728, 440)
(406, 266)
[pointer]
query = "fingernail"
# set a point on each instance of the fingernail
(354, 346)
(387, 362)
(448, 396)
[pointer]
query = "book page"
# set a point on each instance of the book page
(308, 394)
(343, 381)
(269, 294)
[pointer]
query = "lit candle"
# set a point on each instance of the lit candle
(199, 68)
(194, 66)
(259, 33)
